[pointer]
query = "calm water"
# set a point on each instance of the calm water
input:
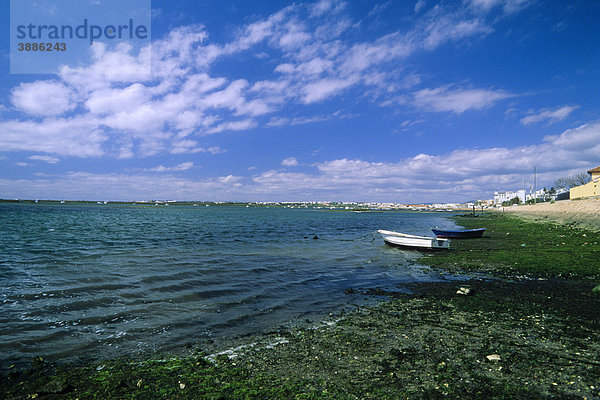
(89, 282)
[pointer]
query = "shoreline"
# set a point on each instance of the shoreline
(582, 213)
(530, 332)
(435, 343)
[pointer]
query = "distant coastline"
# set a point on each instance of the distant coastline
(333, 205)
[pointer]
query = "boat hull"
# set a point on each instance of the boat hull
(458, 234)
(421, 243)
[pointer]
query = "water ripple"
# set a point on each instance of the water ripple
(92, 282)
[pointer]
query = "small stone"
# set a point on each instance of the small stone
(464, 291)
(55, 386)
(181, 385)
(493, 357)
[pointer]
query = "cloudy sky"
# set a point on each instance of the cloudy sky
(403, 101)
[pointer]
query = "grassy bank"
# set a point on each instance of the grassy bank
(514, 246)
(512, 338)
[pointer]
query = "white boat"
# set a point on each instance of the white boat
(414, 242)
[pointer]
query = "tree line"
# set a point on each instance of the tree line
(571, 181)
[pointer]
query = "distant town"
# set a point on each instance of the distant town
(579, 186)
(326, 205)
(331, 205)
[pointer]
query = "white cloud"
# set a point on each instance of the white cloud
(441, 26)
(446, 99)
(550, 116)
(508, 6)
(408, 124)
(76, 136)
(115, 66)
(327, 6)
(48, 159)
(485, 5)
(43, 98)
(379, 9)
(281, 121)
(191, 146)
(317, 91)
(513, 6)
(180, 167)
(240, 125)
(214, 150)
(583, 140)
(290, 162)
(294, 38)
(230, 179)
(228, 97)
(116, 100)
(419, 6)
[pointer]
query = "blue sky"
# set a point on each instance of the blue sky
(395, 101)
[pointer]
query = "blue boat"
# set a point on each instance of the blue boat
(458, 234)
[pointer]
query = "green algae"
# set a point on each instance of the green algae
(435, 344)
(513, 246)
(176, 378)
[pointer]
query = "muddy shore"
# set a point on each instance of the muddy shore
(531, 339)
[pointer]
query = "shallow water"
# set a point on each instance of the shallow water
(92, 282)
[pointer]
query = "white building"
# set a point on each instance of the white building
(500, 197)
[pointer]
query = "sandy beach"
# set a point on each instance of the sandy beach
(581, 213)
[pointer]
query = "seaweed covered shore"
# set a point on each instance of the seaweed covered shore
(528, 328)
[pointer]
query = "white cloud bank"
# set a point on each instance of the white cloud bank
(456, 176)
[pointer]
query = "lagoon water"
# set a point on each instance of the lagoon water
(89, 282)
